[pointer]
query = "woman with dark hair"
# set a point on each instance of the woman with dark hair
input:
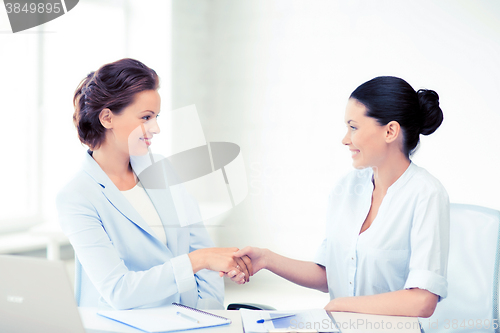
(131, 250)
(386, 245)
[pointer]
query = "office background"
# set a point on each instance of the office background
(272, 76)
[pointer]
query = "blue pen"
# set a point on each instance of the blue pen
(261, 321)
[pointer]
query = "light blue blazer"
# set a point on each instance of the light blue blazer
(119, 261)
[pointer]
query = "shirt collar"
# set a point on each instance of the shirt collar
(403, 179)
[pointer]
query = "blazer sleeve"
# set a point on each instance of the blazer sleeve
(120, 287)
(210, 284)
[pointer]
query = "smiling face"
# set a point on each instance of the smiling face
(365, 137)
(131, 131)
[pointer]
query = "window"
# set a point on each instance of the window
(41, 68)
(19, 200)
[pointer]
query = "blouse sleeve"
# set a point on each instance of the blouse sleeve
(429, 240)
(320, 257)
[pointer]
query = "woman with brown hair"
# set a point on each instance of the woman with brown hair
(130, 248)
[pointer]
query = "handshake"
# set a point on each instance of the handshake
(236, 264)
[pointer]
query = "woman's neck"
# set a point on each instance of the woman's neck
(387, 173)
(112, 161)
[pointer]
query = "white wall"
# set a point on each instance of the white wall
(274, 77)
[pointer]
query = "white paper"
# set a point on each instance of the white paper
(303, 321)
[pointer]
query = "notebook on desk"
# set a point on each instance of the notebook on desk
(36, 296)
(176, 317)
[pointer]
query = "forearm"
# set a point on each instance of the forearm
(409, 302)
(305, 273)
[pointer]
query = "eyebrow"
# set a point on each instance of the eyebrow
(149, 111)
(349, 121)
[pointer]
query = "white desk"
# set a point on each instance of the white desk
(347, 322)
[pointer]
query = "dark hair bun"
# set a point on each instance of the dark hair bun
(432, 114)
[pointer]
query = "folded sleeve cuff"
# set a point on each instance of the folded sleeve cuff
(183, 272)
(429, 281)
(320, 257)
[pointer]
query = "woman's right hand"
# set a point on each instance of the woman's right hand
(259, 257)
(220, 260)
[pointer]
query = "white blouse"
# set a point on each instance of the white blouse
(139, 199)
(406, 245)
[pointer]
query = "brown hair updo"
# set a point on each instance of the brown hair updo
(112, 86)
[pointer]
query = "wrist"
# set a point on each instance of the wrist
(268, 262)
(197, 259)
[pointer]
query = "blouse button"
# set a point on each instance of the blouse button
(350, 282)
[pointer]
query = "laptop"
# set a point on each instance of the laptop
(37, 296)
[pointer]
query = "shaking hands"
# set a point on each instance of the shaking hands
(249, 260)
(223, 260)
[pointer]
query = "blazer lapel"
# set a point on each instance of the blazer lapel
(155, 182)
(114, 196)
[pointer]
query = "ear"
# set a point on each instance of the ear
(392, 131)
(106, 117)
